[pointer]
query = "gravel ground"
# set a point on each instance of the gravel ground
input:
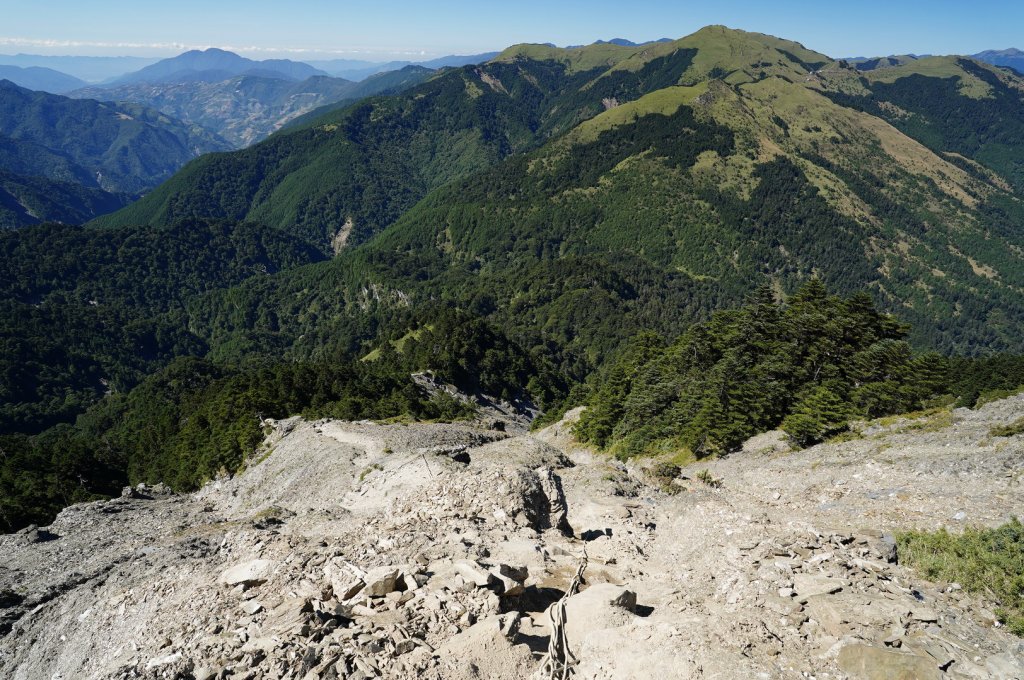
(358, 550)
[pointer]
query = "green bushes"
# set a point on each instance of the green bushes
(820, 414)
(1009, 430)
(989, 561)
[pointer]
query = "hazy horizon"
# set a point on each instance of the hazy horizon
(410, 31)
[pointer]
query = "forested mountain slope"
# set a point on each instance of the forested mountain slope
(31, 199)
(371, 162)
(70, 160)
(87, 312)
(516, 224)
(758, 161)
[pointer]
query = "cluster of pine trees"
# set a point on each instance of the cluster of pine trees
(808, 365)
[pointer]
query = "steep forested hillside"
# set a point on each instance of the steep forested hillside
(48, 142)
(809, 366)
(515, 225)
(85, 312)
(30, 199)
(371, 162)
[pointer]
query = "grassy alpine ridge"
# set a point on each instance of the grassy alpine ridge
(934, 111)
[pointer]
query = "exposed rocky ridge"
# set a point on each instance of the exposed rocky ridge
(361, 550)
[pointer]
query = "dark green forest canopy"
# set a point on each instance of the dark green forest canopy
(809, 365)
(84, 311)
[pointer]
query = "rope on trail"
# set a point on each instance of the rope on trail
(559, 660)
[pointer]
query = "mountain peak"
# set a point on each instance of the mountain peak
(1011, 57)
(40, 78)
(1009, 52)
(215, 64)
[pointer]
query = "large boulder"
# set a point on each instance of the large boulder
(601, 606)
(509, 579)
(474, 573)
(249, 573)
(867, 662)
(344, 582)
(381, 581)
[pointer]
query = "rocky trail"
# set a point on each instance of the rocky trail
(357, 550)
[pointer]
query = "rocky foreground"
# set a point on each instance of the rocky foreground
(354, 550)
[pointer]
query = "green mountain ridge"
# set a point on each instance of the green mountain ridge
(803, 180)
(557, 202)
(30, 199)
(372, 161)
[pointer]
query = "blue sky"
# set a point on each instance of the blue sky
(307, 29)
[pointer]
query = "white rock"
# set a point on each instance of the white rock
(474, 573)
(380, 581)
(344, 582)
(163, 660)
(601, 606)
(247, 573)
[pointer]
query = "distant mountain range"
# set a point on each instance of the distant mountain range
(245, 109)
(216, 65)
(622, 42)
(354, 69)
(1012, 58)
(89, 69)
(40, 78)
(241, 109)
(70, 160)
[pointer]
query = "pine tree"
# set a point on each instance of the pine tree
(819, 414)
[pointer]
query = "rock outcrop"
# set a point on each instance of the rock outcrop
(356, 550)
